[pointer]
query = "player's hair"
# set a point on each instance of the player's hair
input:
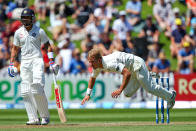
(95, 52)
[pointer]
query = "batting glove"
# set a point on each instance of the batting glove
(54, 67)
(12, 70)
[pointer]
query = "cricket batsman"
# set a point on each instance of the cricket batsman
(134, 71)
(29, 38)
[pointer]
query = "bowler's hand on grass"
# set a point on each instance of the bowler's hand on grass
(86, 98)
(116, 93)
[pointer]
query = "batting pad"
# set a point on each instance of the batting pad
(28, 101)
(40, 99)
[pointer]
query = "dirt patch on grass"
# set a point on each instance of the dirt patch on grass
(94, 125)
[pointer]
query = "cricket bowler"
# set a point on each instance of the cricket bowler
(134, 71)
(29, 38)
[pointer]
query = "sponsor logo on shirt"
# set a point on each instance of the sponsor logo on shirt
(34, 34)
(21, 35)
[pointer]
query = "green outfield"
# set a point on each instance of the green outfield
(102, 120)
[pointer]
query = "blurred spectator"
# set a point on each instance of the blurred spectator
(105, 44)
(191, 10)
(3, 6)
(56, 22)
(150, 31)
(6, 48)
(41, 10)
(83, 15)
(162, 64)
(86, 45)
(21, 3)
(2, 57)
(192, 34)
(104, 15)
(133, 9)
(162, 12)
(68, 42)
(153, 54)
(95, 29)
(122, 31)
(64, 11)
(177, 37)
(10, 7)
(64, 58)
(77, 65)
(185, 59)
(8, 31)
(150, 2)
(193, 26)
(174, 16)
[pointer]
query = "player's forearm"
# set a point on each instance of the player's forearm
(14, 53)
(90, 86)
(126, 78)
(132, 11)
(91, 82)
(158, 18)
(49, 50)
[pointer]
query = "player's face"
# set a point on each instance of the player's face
(27, 21)
(93, 62)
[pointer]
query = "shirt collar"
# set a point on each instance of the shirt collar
(103, 62)
(31, 28)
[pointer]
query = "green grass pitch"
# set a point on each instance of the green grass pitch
(102, 120)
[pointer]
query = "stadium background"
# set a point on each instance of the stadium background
(99, 119)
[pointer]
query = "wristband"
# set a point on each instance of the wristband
(88, 92)
(11, 64)
(50, 55)
(51, 62)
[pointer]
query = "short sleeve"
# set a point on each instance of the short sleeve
(192, 52)
(95, 73)
(156, 63)
(119, 67)
(155, 10)
(127, 6)
(44, 37)
(128, 25)
(16, 40)
(168, 63)
(115, 26)
(181, 53)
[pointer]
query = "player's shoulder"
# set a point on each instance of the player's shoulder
(41, 30)
(113, 55)
(19, 29)
(117, 21)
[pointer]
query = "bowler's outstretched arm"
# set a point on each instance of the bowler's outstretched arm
(126, 77)
(89, 89)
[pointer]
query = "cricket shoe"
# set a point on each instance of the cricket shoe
(33, 122)
(171, 102)
(45, 121)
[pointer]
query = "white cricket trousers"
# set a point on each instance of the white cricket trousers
(32, 88)
(142, 78)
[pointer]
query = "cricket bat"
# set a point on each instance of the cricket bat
(59, 103)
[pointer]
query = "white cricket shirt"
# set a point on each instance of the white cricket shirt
(115, 62)
(30, 42)
(122, 27)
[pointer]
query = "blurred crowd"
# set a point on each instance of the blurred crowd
(99, 24)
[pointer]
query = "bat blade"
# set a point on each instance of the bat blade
(59, 104)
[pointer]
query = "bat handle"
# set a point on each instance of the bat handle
(54, 78)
